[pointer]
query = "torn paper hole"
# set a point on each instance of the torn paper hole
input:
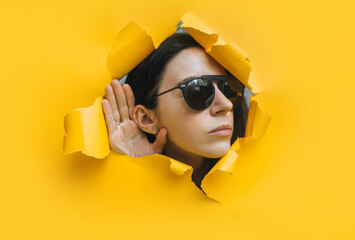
(86, 130)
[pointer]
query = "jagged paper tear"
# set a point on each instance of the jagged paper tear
(86, 129)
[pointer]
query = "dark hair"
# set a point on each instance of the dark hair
(144, 79)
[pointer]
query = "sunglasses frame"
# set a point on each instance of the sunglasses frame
(210, 79)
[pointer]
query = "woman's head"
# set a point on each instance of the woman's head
(190, 132)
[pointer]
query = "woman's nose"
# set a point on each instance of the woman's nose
(220, 103)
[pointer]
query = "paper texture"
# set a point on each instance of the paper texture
(86, 130)
(295, 183)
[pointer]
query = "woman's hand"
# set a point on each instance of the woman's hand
(126, 137)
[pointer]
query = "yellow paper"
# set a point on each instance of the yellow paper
(295, 183)
(131, 46)
(86, 131)
(258, 121)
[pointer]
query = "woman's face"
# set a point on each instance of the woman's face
(190, 131)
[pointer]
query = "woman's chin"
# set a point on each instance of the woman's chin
(218, 152)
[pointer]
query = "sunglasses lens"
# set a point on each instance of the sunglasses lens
(233, 90)
(199, 94)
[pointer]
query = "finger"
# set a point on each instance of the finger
(130, 98)
(110, 121)
(121, 100)
(110, 96)
(160, 141)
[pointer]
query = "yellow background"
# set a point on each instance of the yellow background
(299, 183)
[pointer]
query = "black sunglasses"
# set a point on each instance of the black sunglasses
(199, 91)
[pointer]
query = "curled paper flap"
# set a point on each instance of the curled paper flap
(132, 45)
(178, 167)
(228, 162)
(161, 32)
(219, 184)
(258, 121)
(85, 131)
(228, 54)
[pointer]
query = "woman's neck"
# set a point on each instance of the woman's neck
(200, 164)
(173, 151)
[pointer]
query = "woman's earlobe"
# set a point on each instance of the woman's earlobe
(142, 116)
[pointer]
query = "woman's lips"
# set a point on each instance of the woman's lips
(223, 130)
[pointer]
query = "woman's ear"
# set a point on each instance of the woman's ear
(145, 119)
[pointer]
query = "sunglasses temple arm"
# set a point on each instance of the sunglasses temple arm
(154, 97)
(168, 91)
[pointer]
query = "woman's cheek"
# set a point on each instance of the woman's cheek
(190, 133)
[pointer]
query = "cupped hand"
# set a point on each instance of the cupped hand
(124, 135)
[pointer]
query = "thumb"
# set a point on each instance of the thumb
(160, 141)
